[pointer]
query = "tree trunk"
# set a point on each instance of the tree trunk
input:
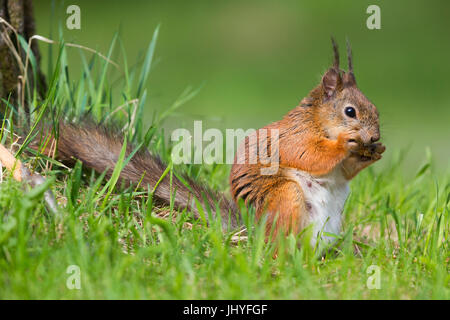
(19, 14)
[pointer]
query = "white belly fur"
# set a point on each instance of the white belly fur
(325, 196)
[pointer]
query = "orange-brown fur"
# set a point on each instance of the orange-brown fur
(315, 137)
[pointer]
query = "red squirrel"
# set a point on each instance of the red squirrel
(322, 144)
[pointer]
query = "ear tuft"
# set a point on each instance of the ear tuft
(336, 54)
(330, 83)
(348, 79)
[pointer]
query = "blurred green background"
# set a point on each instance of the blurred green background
(255, 59)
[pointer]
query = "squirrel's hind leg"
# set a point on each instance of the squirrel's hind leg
(285, 208)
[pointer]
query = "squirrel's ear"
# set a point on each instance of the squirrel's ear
(332, 79)
(348, 79)
(330, 83)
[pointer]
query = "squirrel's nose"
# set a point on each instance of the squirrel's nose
(375, 138)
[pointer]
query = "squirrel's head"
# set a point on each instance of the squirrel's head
(341, 106)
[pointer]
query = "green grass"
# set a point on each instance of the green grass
(128, 249)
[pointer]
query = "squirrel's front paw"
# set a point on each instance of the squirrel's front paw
(371, 152)
(349, 142)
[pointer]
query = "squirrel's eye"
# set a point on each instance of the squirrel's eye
(350, 112)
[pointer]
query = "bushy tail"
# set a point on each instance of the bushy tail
(99, 148)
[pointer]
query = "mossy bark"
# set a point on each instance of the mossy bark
(19, 14)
